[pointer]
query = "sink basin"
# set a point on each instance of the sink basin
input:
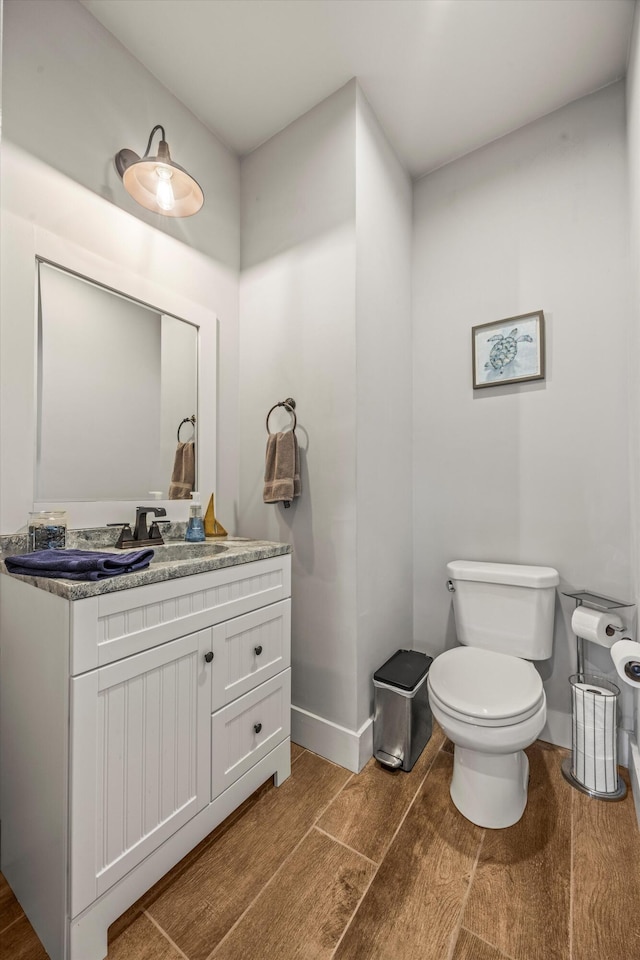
(172, 552)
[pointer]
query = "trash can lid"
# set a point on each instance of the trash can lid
(405, 669)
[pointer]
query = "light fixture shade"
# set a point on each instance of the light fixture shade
(142, 181)
(159, 184)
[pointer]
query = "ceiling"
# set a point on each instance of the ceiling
(443, 76)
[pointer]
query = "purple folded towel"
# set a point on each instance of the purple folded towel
(77, 564)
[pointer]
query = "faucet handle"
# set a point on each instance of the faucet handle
(125, 533)
(154, 532)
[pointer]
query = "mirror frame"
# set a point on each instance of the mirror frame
(161, 313)
(24, 242)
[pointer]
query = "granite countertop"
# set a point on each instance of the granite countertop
(173, 560)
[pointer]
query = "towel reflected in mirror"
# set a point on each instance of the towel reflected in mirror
(184, 471)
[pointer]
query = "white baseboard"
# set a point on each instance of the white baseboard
(634, 774)
(557, 729)
(624, 741)
(348, 748)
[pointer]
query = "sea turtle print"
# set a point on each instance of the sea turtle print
(505, 349)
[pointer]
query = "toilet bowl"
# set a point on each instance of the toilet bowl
(491, 706)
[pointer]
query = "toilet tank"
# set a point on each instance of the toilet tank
(506, 607)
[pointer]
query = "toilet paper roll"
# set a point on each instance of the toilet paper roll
(595, 625)
(594, 753)
(625, 654)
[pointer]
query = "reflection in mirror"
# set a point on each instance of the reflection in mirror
(115, 379)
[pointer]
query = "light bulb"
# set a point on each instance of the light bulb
(164, 192)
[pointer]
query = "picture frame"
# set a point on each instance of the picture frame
(508, 351)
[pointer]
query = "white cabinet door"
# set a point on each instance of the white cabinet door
(140, 759)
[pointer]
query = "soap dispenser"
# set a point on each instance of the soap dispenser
(195, 524)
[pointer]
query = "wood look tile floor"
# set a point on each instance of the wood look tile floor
(381, 866)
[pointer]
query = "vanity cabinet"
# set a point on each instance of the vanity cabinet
(167, 705)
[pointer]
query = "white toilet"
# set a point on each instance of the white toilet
(485, 695)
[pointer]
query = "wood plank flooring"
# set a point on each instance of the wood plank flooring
(202, 905)
(528, 864)
(381, 866)
(606, 879)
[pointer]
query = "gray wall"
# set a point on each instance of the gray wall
(537, 472)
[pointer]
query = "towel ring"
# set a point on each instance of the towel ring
(290, 405)
(191, 420)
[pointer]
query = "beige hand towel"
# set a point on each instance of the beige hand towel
(282, 468)
(184, 471)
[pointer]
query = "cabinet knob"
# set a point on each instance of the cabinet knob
(257, 727)
(257, 650)
(209, 656)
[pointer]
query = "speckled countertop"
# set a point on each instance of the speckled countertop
(173, 560)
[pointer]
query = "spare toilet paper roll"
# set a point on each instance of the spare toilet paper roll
(595, 625)
(626, 659)
(594, 737)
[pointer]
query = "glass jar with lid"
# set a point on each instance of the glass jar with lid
(47, 530)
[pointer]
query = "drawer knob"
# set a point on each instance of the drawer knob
(257, 650)
(209, 656)
(257, 727)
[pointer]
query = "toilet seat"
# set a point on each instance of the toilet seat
(485, 688)
(483, 721)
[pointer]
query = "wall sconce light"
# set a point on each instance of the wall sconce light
(158, 183)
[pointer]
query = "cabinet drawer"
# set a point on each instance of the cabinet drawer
(249, 650)
(248, 729)
(116, 625)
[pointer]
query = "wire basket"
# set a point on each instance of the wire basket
(594, 747)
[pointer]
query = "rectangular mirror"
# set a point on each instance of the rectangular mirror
(115, 380)
(54, 221)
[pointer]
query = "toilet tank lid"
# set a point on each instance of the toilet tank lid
(516, 574)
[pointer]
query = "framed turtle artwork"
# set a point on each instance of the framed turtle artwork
(508, 351)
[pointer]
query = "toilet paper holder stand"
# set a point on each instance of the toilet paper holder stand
(595, 602)
(598, 602)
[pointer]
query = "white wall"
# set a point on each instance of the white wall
(383, 413)
(537, 220)
(73, 96)
(633, 147)
(536, 472)
(297, 308)
(325, 319)
(46, 214)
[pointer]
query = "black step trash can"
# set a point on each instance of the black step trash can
(402, 716)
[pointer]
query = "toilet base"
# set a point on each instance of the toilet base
(490, 789)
